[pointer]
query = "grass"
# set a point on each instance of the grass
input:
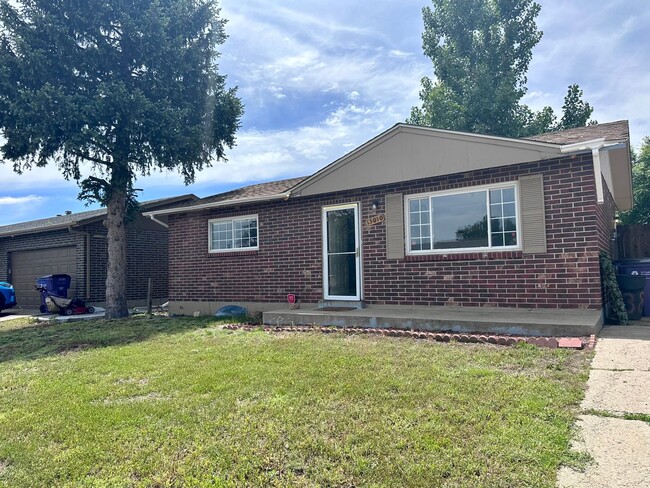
(644, 417)
(181, 402)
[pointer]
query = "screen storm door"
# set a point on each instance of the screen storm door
(341, 253)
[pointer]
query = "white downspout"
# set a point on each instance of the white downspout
(152, 217)
(595, 146)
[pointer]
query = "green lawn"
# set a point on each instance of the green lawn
(181, 402)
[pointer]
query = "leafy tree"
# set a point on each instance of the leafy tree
(576, 112)
(108, 91)
(472, 232)
(480, 51)
(640, 213)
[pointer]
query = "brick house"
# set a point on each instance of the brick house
(415, 217)
(75, 244)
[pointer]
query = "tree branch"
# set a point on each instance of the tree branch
(91, 158)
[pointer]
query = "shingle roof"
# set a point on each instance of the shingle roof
(64, 221)
(618, 131)
(260, 190)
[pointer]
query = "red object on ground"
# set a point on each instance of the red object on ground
(570, 343)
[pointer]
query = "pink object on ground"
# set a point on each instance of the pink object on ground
(570, 343)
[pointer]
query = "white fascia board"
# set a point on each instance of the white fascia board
(222, 203)
(583, 146)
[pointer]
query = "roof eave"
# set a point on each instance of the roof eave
(40, 229)
(222, 203)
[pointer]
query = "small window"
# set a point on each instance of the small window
(235, 234)
(477, 219)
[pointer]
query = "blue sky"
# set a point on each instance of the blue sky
(319, 78)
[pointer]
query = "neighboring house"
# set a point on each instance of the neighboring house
(415, 216)
(75, 244)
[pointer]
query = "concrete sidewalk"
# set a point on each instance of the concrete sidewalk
(16, 313)
(619, 384)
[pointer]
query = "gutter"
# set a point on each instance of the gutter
(222, 203)
(595, 146)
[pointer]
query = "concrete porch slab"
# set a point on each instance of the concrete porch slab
(530, 322)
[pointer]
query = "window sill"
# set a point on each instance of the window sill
(225, 254)
(466, 256)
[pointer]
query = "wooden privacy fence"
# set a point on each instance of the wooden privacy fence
(633, 241)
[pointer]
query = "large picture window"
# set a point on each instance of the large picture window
(477, 219)
(233, 234)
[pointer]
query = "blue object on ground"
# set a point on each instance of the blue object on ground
(231, 311)
(7, 296)
(56, 284)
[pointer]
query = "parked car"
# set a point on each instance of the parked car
(7, 296)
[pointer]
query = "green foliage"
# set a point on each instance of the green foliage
(576, 111)
(614, 304)
(125, 86)
(154, 401)
(109, 91)
(476, 231)
(640, 213)
(480, 51)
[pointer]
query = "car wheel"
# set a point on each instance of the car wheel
(68, 311)
(91, 309)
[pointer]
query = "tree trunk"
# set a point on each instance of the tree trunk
(116, 306)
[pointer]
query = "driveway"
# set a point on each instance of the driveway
(618, 393)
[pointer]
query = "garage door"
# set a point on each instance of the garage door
(27, 266)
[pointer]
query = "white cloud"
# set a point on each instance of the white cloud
(20, 200)
(396, 53)
(602, 49)
(362, 74)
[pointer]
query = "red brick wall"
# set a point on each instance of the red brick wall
(146, 253)
(290, 256)
(606, 214)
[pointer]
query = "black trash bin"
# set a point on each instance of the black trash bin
(640, 267)
(632, 287)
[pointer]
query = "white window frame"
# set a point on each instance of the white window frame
(470, 189)
(233, 220)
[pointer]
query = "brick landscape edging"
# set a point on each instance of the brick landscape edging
(496, 339)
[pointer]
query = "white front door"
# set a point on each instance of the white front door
(341, 253)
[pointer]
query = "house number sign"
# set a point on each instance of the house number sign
(375, 219)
